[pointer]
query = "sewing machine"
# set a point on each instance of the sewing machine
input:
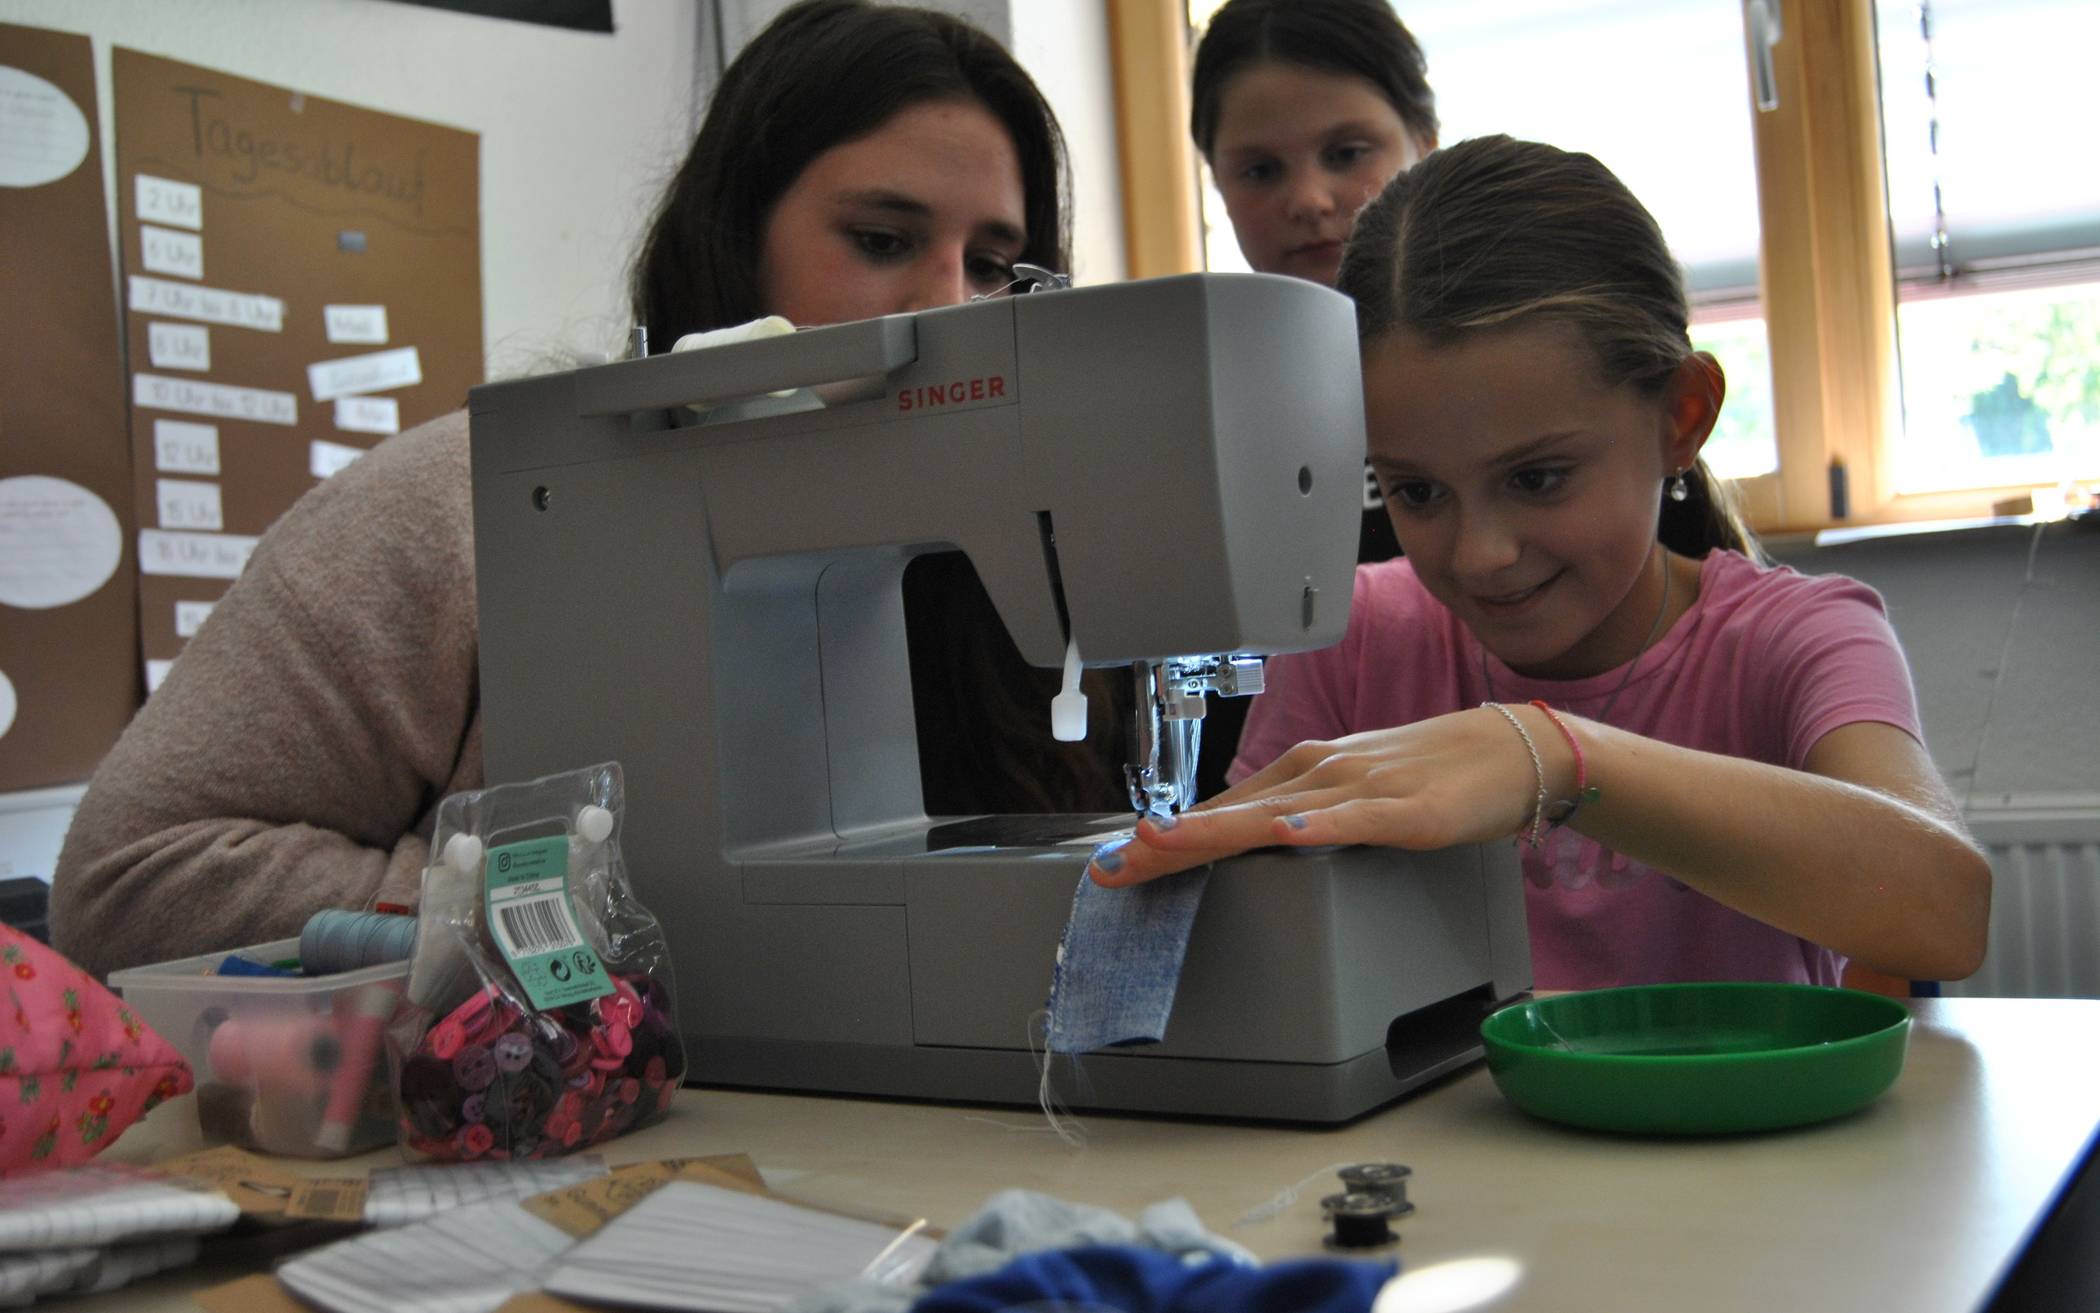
(684, 570)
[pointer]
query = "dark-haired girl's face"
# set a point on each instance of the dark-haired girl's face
(1297, 153)
(927, 210)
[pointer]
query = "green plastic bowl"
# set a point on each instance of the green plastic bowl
(1700, 1059)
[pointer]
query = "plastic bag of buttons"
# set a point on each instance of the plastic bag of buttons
(540, 1019)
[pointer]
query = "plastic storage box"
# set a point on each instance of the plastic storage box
(290, 1065)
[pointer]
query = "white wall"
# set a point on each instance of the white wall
(578, 129)
(1064, 46)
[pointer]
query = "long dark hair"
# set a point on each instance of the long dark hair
(1360, 38)
(1494, 230)
(822, 73)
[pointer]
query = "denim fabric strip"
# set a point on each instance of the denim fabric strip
(1120, 961)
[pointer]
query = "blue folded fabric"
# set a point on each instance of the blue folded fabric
(1146, 1281)
(1119, 962)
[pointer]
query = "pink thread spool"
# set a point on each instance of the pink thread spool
(277, 1054)
(363, 1018)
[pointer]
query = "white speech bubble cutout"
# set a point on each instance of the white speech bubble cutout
(7, 704)
(43, 134)
(59, 542)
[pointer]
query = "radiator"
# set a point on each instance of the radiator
(2045, 897)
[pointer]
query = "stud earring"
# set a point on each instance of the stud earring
(1673, 487)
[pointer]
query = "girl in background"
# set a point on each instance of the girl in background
(1713, 766)
(1304, 109)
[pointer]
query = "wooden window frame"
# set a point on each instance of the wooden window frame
(1826, 273)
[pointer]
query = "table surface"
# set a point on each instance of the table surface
(1918, 1202)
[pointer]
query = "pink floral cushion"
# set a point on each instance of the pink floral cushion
(76, 1065)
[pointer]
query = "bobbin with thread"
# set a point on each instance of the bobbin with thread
(1360, 1219)
(1388, 1179)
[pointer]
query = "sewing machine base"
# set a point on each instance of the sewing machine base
(1317, 984)
(1426, 1045)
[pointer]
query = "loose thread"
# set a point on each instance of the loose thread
(1283, 1198)
(1067, 1128)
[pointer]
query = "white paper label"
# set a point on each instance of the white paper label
(376, 372)
(194, 555)
(188, 504)
(156, 672)
(178, 346)
(163, 200)
(213, 305)
(59, 542)
(220, 400)
(165, 251)
(357, 324)
(326, 458)
(43, 134)
(368, 414)
(180, 447)
(190, 617)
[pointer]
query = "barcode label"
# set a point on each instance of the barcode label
(536, 925)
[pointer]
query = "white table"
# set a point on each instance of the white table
(1918, 1203)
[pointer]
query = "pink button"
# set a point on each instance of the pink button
(613, 1039)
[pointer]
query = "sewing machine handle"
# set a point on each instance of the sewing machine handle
(841, 353)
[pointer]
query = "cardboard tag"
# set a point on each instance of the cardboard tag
(329, 1199)
(258, 1186)
(581, 1209)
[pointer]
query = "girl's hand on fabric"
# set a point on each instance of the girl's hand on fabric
(1460, 778)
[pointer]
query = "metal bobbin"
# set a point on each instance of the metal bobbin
(1388, 1179)
(1359, 1219)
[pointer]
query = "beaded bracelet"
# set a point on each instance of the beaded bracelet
(1538, 770)
(1560, 813)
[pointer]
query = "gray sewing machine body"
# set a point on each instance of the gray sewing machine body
(1168, 467)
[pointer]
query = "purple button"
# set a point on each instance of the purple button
(474, 1068)
(475, 1108)
(513, 1052)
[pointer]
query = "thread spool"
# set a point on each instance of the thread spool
(1388, 1179)
(335, 940)
(1359, 1219)
(289, 1052)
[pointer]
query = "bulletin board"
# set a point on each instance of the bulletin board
(69, 676)
(301, 278)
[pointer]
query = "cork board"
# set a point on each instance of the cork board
(301, 278)
(69, 677)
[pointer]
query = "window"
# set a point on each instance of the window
(1997, 239)
(1913, 292)
(1588, 75)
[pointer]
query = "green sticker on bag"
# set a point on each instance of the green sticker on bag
(527, 896)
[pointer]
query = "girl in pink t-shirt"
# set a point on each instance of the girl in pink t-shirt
(1713, 766)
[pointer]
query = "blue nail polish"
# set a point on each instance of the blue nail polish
(1108, 858)
(1164, 820)
(1295, 822)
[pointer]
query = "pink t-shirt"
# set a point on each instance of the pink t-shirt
(1765, 663)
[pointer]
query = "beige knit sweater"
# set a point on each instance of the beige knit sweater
(295, 756)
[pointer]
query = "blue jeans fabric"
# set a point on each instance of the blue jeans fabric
(1119, 962)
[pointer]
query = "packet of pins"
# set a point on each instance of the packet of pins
(540, 1000)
